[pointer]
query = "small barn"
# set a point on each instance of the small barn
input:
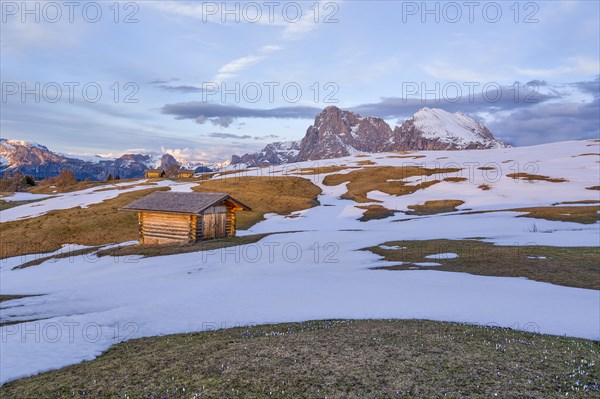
(154, 173)
(185, 174)
(174, 217)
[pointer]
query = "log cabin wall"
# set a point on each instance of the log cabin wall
(214, 222)
(230, 223)
(217, 221)
(163, 228)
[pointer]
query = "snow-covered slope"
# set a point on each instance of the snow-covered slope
(455, 129)
(319, 270)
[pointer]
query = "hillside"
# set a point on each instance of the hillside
(507, 236)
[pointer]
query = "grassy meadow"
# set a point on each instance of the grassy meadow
(332, 359)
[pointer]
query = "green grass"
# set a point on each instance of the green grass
(331, 359)
(568, 266)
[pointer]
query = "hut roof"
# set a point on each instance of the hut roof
(175, 202)
(154, 170)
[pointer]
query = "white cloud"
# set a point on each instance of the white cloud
(207, 154)
(230, 69)
(446, 71)
(576, 65)
(269, 48)
(20, 36)
(310, 19)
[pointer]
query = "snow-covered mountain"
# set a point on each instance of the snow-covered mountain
(273, 154)
(436, 129)
(337, 133)
(38, 161)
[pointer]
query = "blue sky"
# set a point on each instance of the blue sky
(382, 58)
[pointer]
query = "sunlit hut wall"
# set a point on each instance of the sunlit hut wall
(171, 217)
(154, 173)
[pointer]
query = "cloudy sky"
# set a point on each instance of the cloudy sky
(204, 80)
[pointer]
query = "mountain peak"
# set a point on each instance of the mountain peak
(338, 133)
(8, 143)
(455, 130)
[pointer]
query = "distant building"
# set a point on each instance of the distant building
(177, 217)
(186, 174)
(154, 173)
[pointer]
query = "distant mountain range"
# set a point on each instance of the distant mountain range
(334, 133)
(38, 161)
(338, 133)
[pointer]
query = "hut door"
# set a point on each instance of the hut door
(213, 225)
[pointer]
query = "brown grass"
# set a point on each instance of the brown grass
(4, 205)
(577, 214)
(373, 212)
(281, 195)
(580, 202)
(361, 182)
(331, 359)
(125, 187)
(96, 225)
(587, 154)
(67, 253)
(406, 156)
(486, 168)
(44, 187)
(320, 170)
(530, 177)
(455, 179)
(172, 249)
(568, 266)
(366, 163)
(4, 298)
(485, 187)
(593, 188)
(434, 207)
(230, 172)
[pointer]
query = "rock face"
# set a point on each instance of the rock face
(38, 161)
(273, 154)
(337, 133)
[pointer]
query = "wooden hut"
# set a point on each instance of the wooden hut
(185, 174)
(173, 217)
(154, 173)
